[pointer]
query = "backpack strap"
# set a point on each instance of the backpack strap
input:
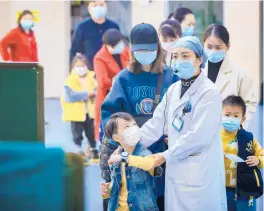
(158, 91)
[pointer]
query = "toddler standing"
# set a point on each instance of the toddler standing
(78, 104)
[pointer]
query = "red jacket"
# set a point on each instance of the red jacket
(105, 68)
(19, 46)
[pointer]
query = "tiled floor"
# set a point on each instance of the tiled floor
(58, 134)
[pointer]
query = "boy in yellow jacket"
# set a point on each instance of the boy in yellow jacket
(78, 104)
(243, 158)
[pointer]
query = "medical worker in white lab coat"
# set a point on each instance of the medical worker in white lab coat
(190, 114)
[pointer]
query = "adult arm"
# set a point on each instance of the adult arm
(6, 44)
(248, 93)
(204, 126)
(104, 83)
(155, 127)
(35, 46)
(73, 96)
(145, 163)
(115, 101)
(100, 69)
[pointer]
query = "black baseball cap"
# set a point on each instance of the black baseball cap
(144, 37)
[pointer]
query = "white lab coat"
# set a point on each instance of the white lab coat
(195, 179)
(233, 80)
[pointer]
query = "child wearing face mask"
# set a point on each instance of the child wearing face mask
(78, 105)
(243, 179)
(132, 171)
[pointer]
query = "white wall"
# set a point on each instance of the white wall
(4, 17)
(52, 34)
(242, 19)
(153, 13)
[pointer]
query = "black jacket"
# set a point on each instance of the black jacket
(249, 179)
(107, 150)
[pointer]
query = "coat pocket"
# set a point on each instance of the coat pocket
(196, 171)
(137, 176)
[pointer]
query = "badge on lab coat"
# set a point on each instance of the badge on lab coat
(178, 123)
(178, 120)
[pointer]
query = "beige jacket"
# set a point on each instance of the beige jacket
(232, 80)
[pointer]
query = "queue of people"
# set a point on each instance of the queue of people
(165, 100)
(201, 118)
(171, 112)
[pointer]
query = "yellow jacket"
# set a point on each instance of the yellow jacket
(75, 111)
(230, 146)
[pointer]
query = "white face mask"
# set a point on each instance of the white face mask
(81, 71)
(132, 136)
(167, 45)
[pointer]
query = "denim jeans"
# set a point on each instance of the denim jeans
(239, 204)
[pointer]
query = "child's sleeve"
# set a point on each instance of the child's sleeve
(259, 153)
(145, 163)
(73, 96)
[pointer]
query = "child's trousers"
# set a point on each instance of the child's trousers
(239, 204)
(87, 127)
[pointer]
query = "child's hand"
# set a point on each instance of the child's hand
(114, 159)
(252, 161)
(104, 187)
(117, 151)
(91, 95)
(166, 140)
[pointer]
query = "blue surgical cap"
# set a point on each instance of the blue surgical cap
(194, 44)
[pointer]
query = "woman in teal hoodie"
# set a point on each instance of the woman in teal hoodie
(138, 89)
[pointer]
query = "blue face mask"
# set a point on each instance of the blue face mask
(99, 12)
(230, 124)
(188, 31)
(118, 48)
(215, 56)
(145, 57)
(26, 24)
(183, 68)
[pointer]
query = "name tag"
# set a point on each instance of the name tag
(178, 123)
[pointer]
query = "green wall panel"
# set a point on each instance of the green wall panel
(21, 102)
